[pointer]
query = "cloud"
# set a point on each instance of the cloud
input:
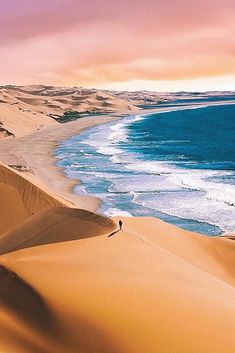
(101, 41)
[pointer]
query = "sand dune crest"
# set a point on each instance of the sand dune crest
(22, 197)
(53, 226)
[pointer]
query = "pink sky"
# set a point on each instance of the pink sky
(151, 44)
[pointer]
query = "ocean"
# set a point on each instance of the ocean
(176, 165)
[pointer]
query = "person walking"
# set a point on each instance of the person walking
(116, 231)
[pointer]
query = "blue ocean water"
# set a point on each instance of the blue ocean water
(176, 165)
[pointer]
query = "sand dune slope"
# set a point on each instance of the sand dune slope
(53, 226)
(11, 204)
(150, 288)
(24, 318)
(17, 119)
(27, 109)
(215, 255)
(20, 198)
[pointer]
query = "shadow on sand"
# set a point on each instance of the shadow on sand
(116, 231)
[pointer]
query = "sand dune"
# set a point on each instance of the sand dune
(26, 109)
(20, 197)
(68, 287)
(19, 119)
(215, 255)
(24, 317)
(27, 323)
(11, 204)
(53, 226)
(151, 288)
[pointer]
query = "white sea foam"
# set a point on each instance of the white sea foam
(109, 135)
(209, 200)
(151, 167)
(138, 117)
(191, 205)
(141, 183)
(120, 133)
(116, 159)
(113, 212)
(198, 180)
(109, 150)
(161, 186)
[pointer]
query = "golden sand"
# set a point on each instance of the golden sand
(67, 287)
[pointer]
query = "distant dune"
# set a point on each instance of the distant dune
(26, 109)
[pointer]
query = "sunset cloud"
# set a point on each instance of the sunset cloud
(101, 42)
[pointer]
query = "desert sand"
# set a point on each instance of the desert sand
(148, 288)
(26, 109)
(67, 287)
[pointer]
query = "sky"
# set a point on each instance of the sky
(161, 45)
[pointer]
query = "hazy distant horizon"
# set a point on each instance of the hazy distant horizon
(110, 89)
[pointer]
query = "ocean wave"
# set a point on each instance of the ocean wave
(114, 212)
(159, 185)
(190, 205)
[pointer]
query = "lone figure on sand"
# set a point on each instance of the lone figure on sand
(116, 231)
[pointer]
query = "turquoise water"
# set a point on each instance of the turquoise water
(177, 165)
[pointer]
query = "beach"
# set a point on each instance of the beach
(169, 164)
(35, 152)
(68, 286)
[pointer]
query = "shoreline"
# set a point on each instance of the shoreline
(213, 228)
(34, 152)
